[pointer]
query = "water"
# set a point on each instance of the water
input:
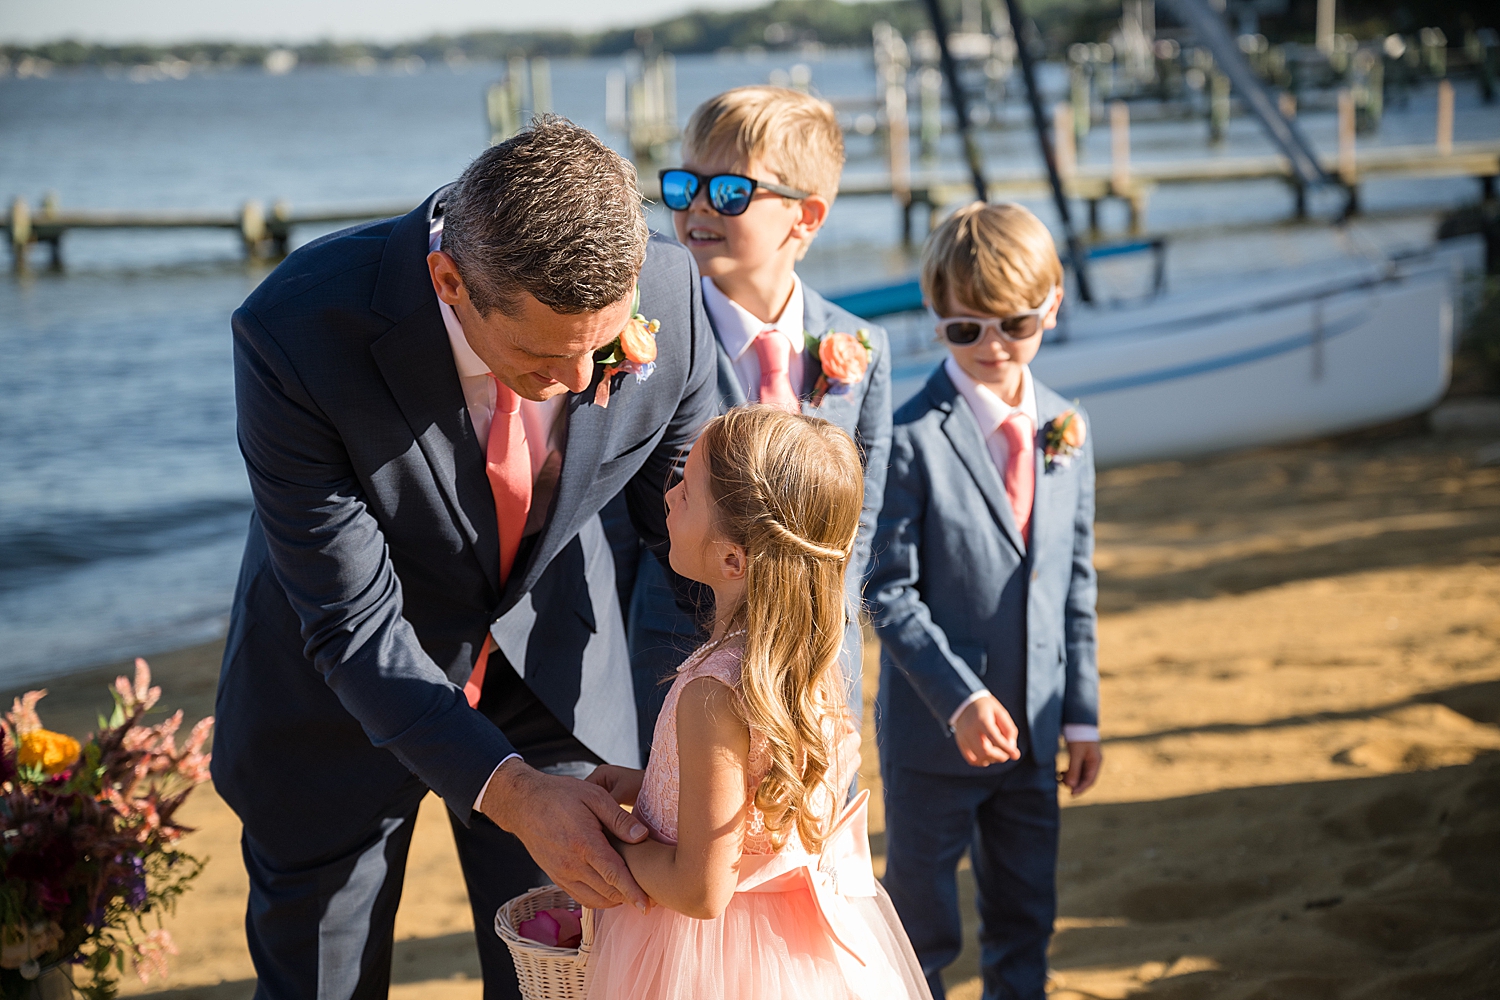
(123, 500)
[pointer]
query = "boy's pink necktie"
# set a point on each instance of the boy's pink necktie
(774, 352)
(1020, 469)
(508, 465)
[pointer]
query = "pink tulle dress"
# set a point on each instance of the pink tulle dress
(800, 926)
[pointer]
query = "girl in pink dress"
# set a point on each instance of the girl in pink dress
(759, 876)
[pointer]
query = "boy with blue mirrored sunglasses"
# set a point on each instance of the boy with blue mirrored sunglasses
(760, 171)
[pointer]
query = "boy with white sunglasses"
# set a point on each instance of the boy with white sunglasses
(983, 593)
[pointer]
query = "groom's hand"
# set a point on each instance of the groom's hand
(622, 783)
(563, 822)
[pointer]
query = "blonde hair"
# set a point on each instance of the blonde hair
(788, 489)
(995, 259)
(796, 135)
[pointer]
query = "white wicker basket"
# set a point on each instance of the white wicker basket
(546, 973)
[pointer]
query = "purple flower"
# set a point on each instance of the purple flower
(133, 883)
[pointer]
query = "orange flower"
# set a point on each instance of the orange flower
(638, 339)
(1073, 430)
(52, 752)
(844, 358)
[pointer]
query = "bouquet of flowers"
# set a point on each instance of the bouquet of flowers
(88, 840)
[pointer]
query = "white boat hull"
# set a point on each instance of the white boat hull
(1173, 380)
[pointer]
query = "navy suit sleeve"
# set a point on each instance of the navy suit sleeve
(916, 645)
(329, 555)
(1080, 618)
(874, 439)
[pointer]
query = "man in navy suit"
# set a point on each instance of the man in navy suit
(761, 169)
(984, 590)
(426, 600)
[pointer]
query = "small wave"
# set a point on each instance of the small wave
(30, 553)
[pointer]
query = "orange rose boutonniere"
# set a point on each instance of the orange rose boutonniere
(633, 351)
(844, 358)
(1064, 439)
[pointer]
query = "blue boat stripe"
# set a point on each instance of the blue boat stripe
(1135, 381)
(1261, 353)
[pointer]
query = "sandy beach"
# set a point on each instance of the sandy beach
(1300, 650)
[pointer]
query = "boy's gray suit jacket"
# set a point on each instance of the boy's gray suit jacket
(961, 604)
(370, 573)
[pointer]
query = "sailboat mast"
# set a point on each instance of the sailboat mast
(1023, 30)
(960, 100)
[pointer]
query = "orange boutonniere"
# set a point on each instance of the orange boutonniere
(1064, 439)
(633, 352)
(844, 358)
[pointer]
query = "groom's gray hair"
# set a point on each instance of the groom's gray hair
(551, 211)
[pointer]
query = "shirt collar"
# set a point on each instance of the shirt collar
(737, 328)
(989, 409)
(465, 360)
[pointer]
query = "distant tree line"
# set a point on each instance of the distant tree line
(779, 25)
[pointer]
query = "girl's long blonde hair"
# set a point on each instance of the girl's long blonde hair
(788, 489)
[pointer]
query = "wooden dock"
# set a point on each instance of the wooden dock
(267, 233)
(264, 234)
(1135, 182)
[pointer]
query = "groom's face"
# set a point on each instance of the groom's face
(536, 351)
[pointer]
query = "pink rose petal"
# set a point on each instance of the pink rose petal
(541, 928)
(569, 927)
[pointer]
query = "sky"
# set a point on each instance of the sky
(24, 21)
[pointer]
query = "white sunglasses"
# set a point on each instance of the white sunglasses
(965, 330)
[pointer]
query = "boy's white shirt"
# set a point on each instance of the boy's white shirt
(737, 329)
(991, 411)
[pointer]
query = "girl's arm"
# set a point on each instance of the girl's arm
(622, 783)
(697, 877)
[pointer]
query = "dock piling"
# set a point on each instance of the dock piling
(930, 123)
(1218, 105)
(252, 227)
(20, 233)
(1063, 141)
(1347, 163)
(1445, 118)
(1119, 148)
(898, 139)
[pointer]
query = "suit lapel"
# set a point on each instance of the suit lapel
(730, 389)
(962, 430)
(1049, 405)
(417, 364)
(815, 322)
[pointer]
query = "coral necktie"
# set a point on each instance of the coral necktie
(775, 352)
(1020, 469)
(508, 465)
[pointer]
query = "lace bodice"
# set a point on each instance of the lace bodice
(657, 802)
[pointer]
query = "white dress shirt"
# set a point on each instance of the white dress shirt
(737, 329)
(991, 411)
(544, 423)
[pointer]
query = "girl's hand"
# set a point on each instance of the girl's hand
(622, 783)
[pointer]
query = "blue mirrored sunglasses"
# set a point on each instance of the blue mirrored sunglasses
(728, 194)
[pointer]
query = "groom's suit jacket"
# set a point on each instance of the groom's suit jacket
(962, 603)
(370, 574)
